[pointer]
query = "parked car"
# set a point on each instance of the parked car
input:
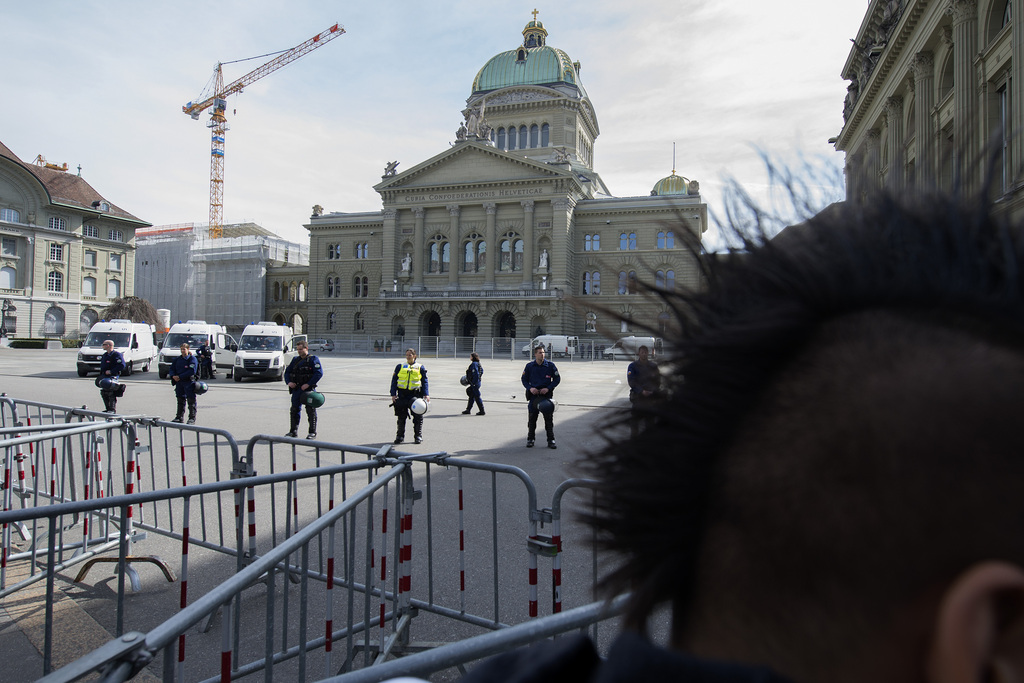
(321, 345)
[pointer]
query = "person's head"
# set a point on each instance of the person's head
(538, 354)
(301, 348)
(410, 356)
(831, 487)
(474, 356)
(642, 353)
(184, 349)
(108, 344)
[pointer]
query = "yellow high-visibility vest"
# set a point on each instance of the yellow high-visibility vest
(409, 377)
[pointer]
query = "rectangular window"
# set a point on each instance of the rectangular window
(8, 246)
(89, 287)
(115, 262)
(58, 223)
(57, 252)
(113, 289)
(90, 231)
(90, 259)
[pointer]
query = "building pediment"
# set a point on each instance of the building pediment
(470, 163)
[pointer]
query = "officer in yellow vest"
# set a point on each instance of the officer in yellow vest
(409, 383)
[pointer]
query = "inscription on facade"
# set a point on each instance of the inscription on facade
(482, 194)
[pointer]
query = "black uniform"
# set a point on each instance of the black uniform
(303, 371)
(185, 368)
(474, 373)
(111, 365)
(540, 376)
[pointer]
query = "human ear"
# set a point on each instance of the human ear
(979, 629)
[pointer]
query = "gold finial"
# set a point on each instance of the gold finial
(535, 14)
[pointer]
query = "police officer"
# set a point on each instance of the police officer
(407, 384)
(302, 375)
(644, 380)
(207, 370)
(474, 375)
(540, 377)
(111, 366)
(184, 370)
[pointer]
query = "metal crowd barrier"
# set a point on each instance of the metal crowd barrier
(316, 542)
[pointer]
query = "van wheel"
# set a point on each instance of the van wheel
(145, 368)
(238, 378)
(82, 373)
(129, 368)
(162, 373)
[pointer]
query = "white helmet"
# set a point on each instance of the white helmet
(419, 406)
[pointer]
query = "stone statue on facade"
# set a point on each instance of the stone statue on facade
(318, 210)
(390, 168)
(406, 263)
(561, 155)
(461, 133)
(544, 259)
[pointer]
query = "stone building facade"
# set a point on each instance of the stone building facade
(508, 232)
(932, 93)
(65, 250)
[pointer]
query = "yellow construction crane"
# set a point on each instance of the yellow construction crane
(218, 124)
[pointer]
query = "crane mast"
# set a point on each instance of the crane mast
(218, 123)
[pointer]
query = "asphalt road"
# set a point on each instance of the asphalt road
(591, 395)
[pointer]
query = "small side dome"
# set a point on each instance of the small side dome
(671, 185)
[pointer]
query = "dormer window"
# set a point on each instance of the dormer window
(521, 55)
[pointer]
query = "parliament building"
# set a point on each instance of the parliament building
(509, 231)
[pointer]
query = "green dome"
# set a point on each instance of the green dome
(673, 184)
(534, 63)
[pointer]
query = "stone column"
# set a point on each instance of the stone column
(559, 266)
(493, 255)
(419, 256)
(528, 245)
(894, 142)
(872, 159)
(923, 67)
(965, 101)
(453, 239)
(389, 250)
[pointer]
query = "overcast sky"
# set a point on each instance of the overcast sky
(101, 84)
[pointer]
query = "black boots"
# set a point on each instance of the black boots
(191, 410)
(311, 418)
(293, 431)
(400, 434)
(180, 415)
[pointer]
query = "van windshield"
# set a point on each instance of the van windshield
(254, 342)
(120, 339)
(193, 339)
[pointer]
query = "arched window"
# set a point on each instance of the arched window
(302, 291)
(631, 285)
(666, 240)
(481, 255)
(113, 289)
(10, 215)
(622, 282)
(361, 287)
(469, 257)
(358, 324)
(623, 241)
(435, 257)
(277, 289)
(670, 279)
(534, 135)
(659, 279)
(8, 277)
(588, 283)
(55, 282)
(89, 287)
(446, 256)
(632, 241)
(523, 140)
(592, 282)
(293, 292)
(506, 255)
(330, 252)
(517, 258)
(53, 320)
(512, 138)
(545, 135)
(58, 223)
(588, 244)
(501, 138)
(330, 288)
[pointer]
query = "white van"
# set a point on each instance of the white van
(628, 347)
(133, 340)
(265, 350)
(557, 345)
(195, 333)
